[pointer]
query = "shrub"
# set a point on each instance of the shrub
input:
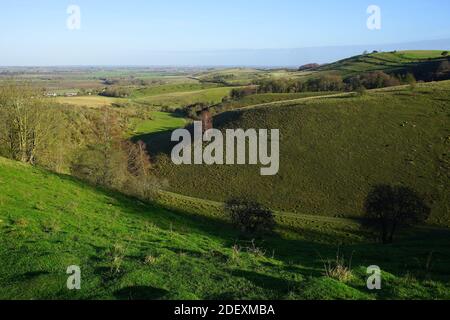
(389, 208)
(338, 268)
(249, 216)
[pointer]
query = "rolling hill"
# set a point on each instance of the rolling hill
(127, 249)
(419, 62)
(333, 150)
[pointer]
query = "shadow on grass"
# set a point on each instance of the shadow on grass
(280, 287)
(31, 275)
(397, 258)
(140, 293)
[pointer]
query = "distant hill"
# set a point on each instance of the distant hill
(424, 64)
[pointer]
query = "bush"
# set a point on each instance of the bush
(250, 217)
(389, 208)
(372, 80)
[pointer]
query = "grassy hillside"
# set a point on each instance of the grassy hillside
(130, 250)
(171, 88)
(160, 121)
(333, 150)
(398, 61)
(180, 99)
(267, 98)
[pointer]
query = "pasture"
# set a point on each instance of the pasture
(128, 249)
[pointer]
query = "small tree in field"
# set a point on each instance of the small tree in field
(411, 81)
(361, 91)
(249, 216)
(445, 53)
(390, 208)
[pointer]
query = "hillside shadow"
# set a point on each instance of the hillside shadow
(140, 293)
(309, 251)
(160, 142)
(277, 285)
(31, 275)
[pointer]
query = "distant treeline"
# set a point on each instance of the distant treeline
(116, 92)
(331, 82)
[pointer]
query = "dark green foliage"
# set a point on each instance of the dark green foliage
(249, 216)
(116, 92)
(323, 83)
(372, 80)
(390, 208)
(237, 94)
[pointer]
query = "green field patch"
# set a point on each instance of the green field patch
(160, 121)
(180, 99)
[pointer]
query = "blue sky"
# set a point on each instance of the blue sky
(136, 32)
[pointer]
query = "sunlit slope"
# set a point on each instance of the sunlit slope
(130, 250)
(333, 150)
(419, 61)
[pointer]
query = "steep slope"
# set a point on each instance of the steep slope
(130, 250)
(333, 150)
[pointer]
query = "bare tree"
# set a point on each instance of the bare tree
(28, 127)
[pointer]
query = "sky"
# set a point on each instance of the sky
(196, 32)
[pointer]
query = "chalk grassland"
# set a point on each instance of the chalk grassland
(180, 99)
(170, 96)
(333, 150)
(130, 250)
(246, 76)
(384, 61)
(172, 88)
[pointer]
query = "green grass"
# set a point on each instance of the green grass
(383, 61)
(130, 250)
(264, 98)
(420, 54)
(333, 150)
(180, 99)
(160, 121)
(171, 88)
(88, 101)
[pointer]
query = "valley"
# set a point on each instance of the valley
(91, 182)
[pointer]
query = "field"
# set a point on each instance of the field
(160, 121)
(180, 99)
(88, 101)
(130, 250)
